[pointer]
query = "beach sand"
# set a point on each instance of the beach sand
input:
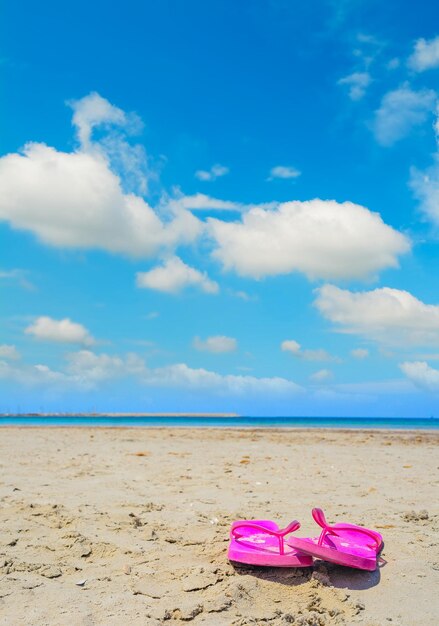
(130, 526)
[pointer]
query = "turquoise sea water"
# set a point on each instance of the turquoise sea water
(404, 423)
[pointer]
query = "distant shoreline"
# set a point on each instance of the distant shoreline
(79, 415)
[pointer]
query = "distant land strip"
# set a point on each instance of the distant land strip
(200, 415)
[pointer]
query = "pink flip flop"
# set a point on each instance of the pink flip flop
(261, 542)
(345, 544)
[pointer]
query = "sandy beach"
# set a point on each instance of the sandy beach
(130, 526)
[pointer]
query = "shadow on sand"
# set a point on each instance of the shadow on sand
(338, 576)
(289, 576)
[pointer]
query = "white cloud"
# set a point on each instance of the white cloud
(75, 200)
(180, 375)
(93, 111)
(389, 316)
(216, 171)
(421, 374)
(19, 276)
(370, 47)
(129, 161)
(60, 331)
(322, 239)
(321, 376)
(174, 276)
(294, 348)
(425, 56)
(400, 111)
(290, 345)
(89, 368)
(202, 202)
(242, 295)
(86, 370)
(9, 353)
(368, 39)
(360, 353)
(33, 375)
(216, 344)
(284, 171)
(357, 82)
(426, 184)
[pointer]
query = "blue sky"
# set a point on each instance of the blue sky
(220, 207)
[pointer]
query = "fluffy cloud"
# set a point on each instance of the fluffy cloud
(294, 348)
(180, 375)
(129, 160)
(174, 276)
(321, 376)
(425, 55)
(284, 171)
(421, 374)
(76, 200)
(357, 82)
(202, 202)
(216, 171)
(33, 375)
(73, 200)
(389, 316)
(89, 368)
(400, 111)
(216, 344)
(60, 331)
(289, 345)
(86, 370)
(9, 353)
(360, 353)
(322, 239)
(93, 111)
(426, 184)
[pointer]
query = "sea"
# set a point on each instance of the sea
(163, 421)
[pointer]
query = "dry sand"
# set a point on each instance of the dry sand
(130, 526)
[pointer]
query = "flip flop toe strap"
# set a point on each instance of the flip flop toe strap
(319, 517)
(280, 533)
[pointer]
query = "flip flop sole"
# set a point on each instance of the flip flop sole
(255, 557)
(261, 542)
(335, 556)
